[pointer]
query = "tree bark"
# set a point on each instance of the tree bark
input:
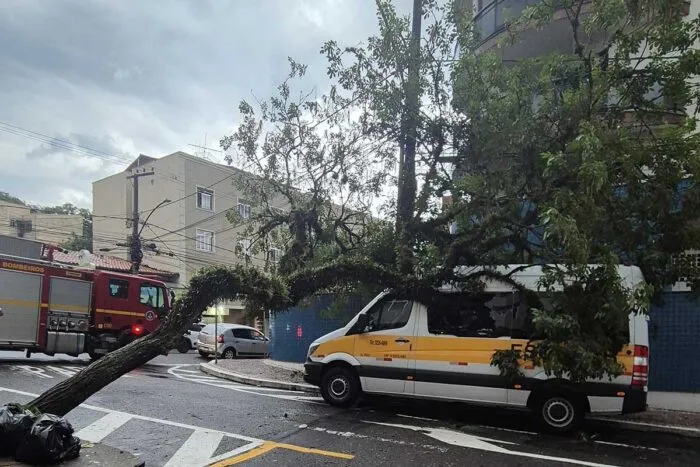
(407, 191)
(69, 394)
(206, 288)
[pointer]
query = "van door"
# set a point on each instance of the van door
(383, 347)
(456, 337)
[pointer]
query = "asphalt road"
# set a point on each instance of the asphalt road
(170, 414)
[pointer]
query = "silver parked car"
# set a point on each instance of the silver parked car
(233, 340)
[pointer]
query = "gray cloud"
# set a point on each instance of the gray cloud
(149, 77)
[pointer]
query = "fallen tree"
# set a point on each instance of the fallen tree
(558, 159)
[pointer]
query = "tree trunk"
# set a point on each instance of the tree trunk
(407, 191)
(205, 288)
(69, 394)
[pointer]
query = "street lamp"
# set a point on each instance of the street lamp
(165, 201)
(136, 253)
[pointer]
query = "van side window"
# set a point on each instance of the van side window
(521, 324)
(389, 314)
(468, 315)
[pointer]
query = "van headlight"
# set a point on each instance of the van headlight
(312, 349)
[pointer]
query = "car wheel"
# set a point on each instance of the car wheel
(229, 353)
(340, 386)
(559, 412)
(203, 354)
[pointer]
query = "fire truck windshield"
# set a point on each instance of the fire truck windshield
(153, 296)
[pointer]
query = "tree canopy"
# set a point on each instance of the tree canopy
(585, 155)
(583, 158)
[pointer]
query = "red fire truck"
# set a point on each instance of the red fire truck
(52, 308)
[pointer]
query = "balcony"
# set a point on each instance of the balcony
(493, 17)
(492, 21)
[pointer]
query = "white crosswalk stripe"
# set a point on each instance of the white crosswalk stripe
(98, 430)
(199, 449)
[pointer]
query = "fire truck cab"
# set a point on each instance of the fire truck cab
(51, 308)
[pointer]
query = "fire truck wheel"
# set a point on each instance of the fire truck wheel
(230, 353)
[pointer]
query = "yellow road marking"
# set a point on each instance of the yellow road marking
(246, 456)
(320, 452)
(269, 446)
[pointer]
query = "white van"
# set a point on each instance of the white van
(400, 347)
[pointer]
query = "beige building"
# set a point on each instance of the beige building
(18, 220)
(188, 227)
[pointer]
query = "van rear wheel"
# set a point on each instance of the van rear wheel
(340, 386)
(559, 412)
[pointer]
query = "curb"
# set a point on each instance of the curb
(284, 365)
(632, 425)
(213, 370)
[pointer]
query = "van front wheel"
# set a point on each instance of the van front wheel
(559, 413)
(340, 386)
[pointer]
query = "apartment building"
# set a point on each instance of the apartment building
(19, 220)
(183, 209)
(675, 325)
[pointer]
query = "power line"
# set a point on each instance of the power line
(62, 144)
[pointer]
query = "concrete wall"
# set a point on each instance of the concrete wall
(48, 228)
(109, 214)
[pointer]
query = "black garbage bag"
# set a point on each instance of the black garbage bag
(49, 440)
(15, 423)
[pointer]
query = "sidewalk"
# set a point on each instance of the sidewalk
(91, 454)
(681, 401)
(677, 413)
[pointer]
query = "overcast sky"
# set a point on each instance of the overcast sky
(123, 77)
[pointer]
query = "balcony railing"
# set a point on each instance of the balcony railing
(492, 18)
(495, 15)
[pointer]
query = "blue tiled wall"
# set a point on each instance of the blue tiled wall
(315, 319)
(674, 334)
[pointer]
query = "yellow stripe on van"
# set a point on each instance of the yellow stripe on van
(451, 350)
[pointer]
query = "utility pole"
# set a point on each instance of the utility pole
(407, 164)
(135, 244)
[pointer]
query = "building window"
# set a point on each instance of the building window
(21, 225)
(244, 210)
(205, 240)
(275, 255)
(244, 247)
(205, 199)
